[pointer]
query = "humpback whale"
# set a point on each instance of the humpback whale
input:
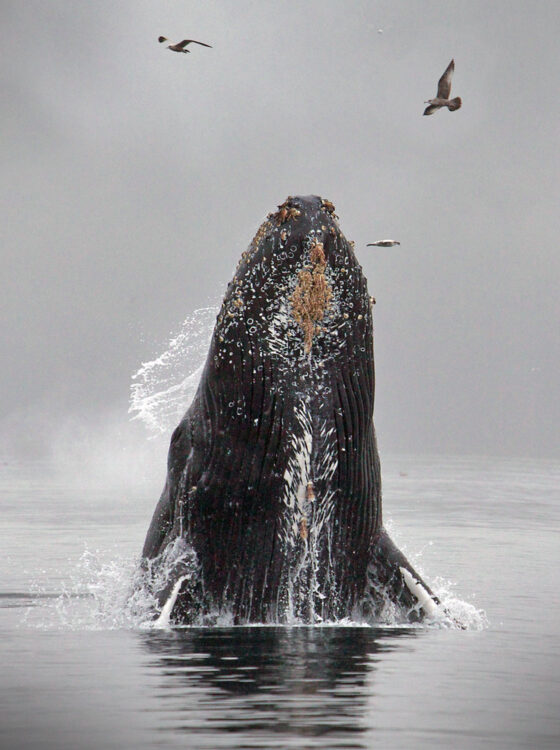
(271, 509)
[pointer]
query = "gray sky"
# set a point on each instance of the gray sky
(133, 178)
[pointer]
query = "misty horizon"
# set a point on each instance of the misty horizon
(134, 178)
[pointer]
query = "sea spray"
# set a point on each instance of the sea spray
(163, 388)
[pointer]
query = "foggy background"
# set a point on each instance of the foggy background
(134, 177)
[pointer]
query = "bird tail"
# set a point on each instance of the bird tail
(162, 39)
(454, 104)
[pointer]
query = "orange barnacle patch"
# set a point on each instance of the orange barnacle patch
(328, 206)
(282, 214)
(286, 211)
(312, 295)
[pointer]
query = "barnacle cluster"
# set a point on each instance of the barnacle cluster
(312, 294)
(286, 211)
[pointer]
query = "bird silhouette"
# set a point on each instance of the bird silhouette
(383, 243)
(180, 46)
(443, 90)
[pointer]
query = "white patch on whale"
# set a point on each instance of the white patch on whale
(162, 621)
(298, 473)
(429, 606)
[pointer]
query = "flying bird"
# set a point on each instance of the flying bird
(180, 46)
(383, 243)
(443, 90)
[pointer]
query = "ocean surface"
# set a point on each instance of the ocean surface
(81, 668)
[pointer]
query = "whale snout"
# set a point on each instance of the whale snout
(299, 289)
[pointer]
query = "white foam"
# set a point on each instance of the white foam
(98, 593)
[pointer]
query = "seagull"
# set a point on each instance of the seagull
(443, 90)
(180, 46)
(383, 243)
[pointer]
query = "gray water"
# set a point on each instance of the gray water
(80, 668)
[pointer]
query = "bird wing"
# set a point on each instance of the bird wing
(162, 39)
(444, 83)
(431, 109)
(191, 41)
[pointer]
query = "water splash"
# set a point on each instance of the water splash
(100, 594)
(117, 593)
(163, 389)
(462, 614)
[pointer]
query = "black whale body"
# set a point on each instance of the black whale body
(271, 510)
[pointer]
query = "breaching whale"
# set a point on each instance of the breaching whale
(271, 509)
